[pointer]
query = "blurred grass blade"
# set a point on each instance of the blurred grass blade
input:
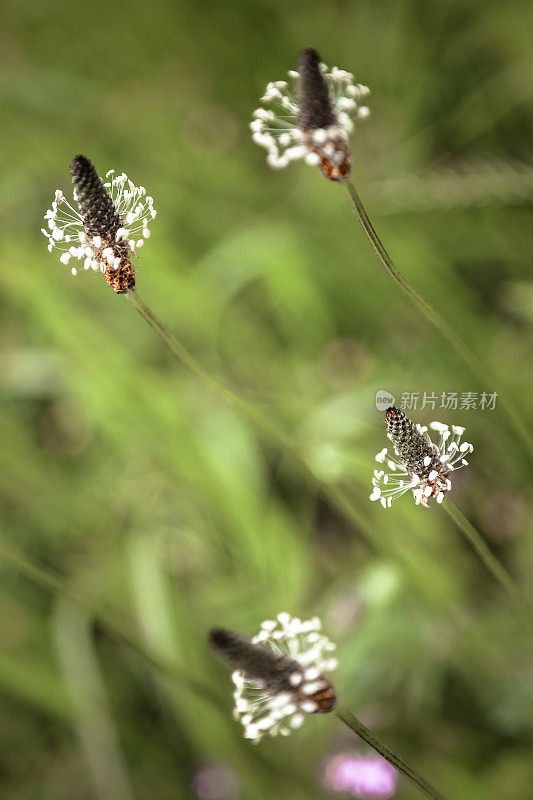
(61, 588)
(92, 714)
(43, 691)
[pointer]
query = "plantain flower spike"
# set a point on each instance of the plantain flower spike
(278, 674)
(420, 465)
(311, 117)
(111, 221)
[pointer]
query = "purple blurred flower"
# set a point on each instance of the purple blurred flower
(362, 776)
(216, 782)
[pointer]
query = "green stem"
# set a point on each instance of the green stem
(489, 559)
(398, 763)
(334, 495)
(58, 585)
(189, 361)
(464, 352)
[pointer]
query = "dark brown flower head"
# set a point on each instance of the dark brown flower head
(315, 109)
(100, 217)
(103, 233)
(414, 448)
(278, 674)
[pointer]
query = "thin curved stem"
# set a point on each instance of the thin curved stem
(220, 388)
(489, 559)
(462, 350)
(394, 760)
(261, 422)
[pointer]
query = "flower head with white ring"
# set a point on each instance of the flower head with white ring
(420, 465)
(311, 117)
(278, 674)
(111, 222)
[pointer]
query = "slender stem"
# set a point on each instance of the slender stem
(220, 388)
(477, 369)
(51, 582)
(489, 559)
(335, 495)
(398, 763)
(265, 425)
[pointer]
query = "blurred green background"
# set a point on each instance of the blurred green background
(159, 508)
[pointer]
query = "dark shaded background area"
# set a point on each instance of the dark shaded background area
(160, 506)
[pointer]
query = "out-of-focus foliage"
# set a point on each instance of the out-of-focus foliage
(159, 505)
